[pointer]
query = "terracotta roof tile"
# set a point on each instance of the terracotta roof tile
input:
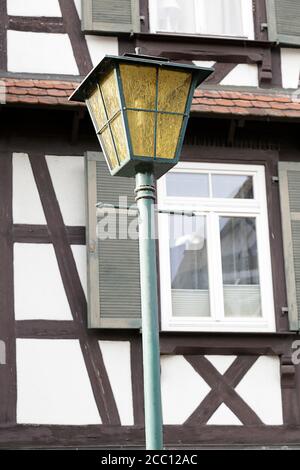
(246, 103)
(227, 102)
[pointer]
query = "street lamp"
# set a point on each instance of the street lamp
(140, 107)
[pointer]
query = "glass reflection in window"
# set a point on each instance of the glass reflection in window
(189, 266)
(240, 267)
(232, 186)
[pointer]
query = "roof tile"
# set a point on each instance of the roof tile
(221, 101)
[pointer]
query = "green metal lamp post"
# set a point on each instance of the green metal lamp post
(140, 107)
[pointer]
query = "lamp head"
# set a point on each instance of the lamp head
(140, 107)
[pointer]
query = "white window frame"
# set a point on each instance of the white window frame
(212, 208)
(247, 19)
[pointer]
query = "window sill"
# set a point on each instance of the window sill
(199, 35)
(220, 327)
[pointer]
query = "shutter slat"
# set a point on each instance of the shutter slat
(116, 284)
(284, 21)
(295, 224)
(289, 185)
(113, 11)
(294, 190)
(111, 15)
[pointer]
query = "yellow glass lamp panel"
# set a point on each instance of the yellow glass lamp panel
(108, 148)
(173, 89)
(96, 107)
(110, 92)
(118, 132)
(141, 129)
(139, 86)
(168, 131)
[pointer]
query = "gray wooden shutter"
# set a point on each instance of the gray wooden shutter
(113, 264)
(111, 16)
(284, 21)
(289, 181)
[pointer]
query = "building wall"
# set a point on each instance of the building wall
(39, 39)
(84, 387)
(61, 374)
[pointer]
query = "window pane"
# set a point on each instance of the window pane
(240, 267)
(109, 88)
(108, 147)
(141, 128)
(187, 185)
(168, 130)
(96, 107)
(139, 86)
(189, 266)
(119, 135)
(232, 186)
(176, 16)
(220, 17)
(173, 88)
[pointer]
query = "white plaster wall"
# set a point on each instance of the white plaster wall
(67, 174)
(53, 385)
(223, 416)
(38, 289)
(290, 67)
(242, 75)
(182, 389)
(40, 53)
(99, 46)
(221, 363)
(261, 389)
(27, 207)
(204, 63)
(33, 7)
(80, 257)
(116, 357)
(78, 7)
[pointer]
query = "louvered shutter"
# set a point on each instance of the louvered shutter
(289, 181)
(113, 264)
(110, 16)
(284, 21)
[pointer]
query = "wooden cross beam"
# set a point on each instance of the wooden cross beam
(222, 390)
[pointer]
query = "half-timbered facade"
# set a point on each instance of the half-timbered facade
(229, 289)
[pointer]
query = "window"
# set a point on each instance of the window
(206, 17)
(283, 21)
(215, 266)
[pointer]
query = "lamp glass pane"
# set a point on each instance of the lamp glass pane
(119, 135)
(173, 89)
(108, 148)
(141, 128)
(110, 91)
(168, 132)
(139, 86)
(96, 108)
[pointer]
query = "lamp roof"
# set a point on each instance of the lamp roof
(109, 61)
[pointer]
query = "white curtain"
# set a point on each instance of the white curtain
(212, 17)
(176, 16)
(221, 17)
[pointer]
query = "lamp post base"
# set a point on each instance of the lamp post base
(145, 198)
